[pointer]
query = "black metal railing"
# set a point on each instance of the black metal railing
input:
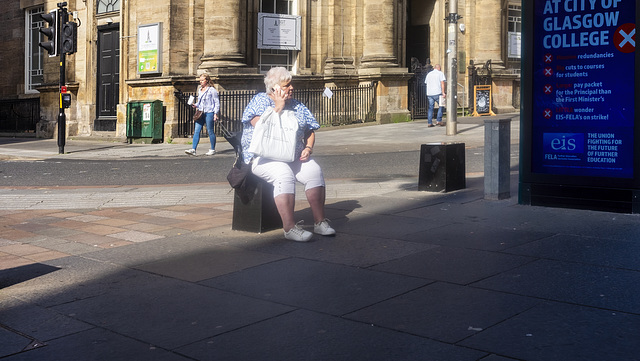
(418, 102)
(19, 115)
(232, 106)
(347, 105)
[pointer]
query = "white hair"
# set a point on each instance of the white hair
(276, 76)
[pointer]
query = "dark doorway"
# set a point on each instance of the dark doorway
(418, 43)
(108, 83)
(418, 53)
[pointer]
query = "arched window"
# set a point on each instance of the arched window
(107, 6)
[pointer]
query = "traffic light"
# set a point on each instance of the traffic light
(65, 100)
(69, 38)
(51, 32)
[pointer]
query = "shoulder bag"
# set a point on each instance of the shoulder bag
(274, 136)
(198, 112)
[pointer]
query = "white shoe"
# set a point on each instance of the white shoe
(190, 152)
(323, 228)
(298, 234)
(210, 152)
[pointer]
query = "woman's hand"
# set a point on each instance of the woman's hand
(215, 117)
(309, 141)
(280, 97)
(306, 154)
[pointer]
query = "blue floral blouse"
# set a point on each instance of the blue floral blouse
(258, 105)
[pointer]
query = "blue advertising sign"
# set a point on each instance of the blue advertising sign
(583, 88)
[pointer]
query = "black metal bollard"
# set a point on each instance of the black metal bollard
(442, 167)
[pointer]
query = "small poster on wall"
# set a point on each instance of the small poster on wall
(150, 48)
(146, 111)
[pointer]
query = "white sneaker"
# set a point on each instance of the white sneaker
(190, 151)
(210, 152)
(298, 234)
(323, 228)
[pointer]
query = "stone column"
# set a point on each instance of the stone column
(340, 44)
(224, 35)
(378, 34)
(383, 21)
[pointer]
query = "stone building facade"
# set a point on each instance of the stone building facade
(346, 42)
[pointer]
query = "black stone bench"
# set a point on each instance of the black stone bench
(255, 211)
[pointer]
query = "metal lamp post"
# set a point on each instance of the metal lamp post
(452, 69)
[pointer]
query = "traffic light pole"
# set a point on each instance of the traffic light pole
(62, 118)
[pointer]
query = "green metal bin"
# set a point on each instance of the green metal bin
(144, 120)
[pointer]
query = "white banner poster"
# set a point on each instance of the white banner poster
(277, 31)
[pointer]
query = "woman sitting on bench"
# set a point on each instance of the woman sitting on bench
(283, 175)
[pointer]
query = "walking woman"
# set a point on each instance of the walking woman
(209, 103)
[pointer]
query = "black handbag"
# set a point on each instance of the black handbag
(241, 179)
(239, 173)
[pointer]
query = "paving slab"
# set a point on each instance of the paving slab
(162, 248)
(595, 286)
(12, 342)
(151, 309)
(40, 323)
(559, 332)
(476, 235)
(306, 335)
(385, 226)
(454, 265)
(390, 203)
(350, 250)
(97, 345)
(584, 249)
(312, 285)
(497, 358)
(444, 312)
(210, 263)
(73, 278)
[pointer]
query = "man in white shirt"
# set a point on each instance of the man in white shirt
(436, 90)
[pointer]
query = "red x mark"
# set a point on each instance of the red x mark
(548, 89)
(625, 38)
(547, 113)
(548, 58)
(548, 72)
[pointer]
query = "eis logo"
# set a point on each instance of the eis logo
(558, 144)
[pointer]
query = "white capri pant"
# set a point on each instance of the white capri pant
(283, 175)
